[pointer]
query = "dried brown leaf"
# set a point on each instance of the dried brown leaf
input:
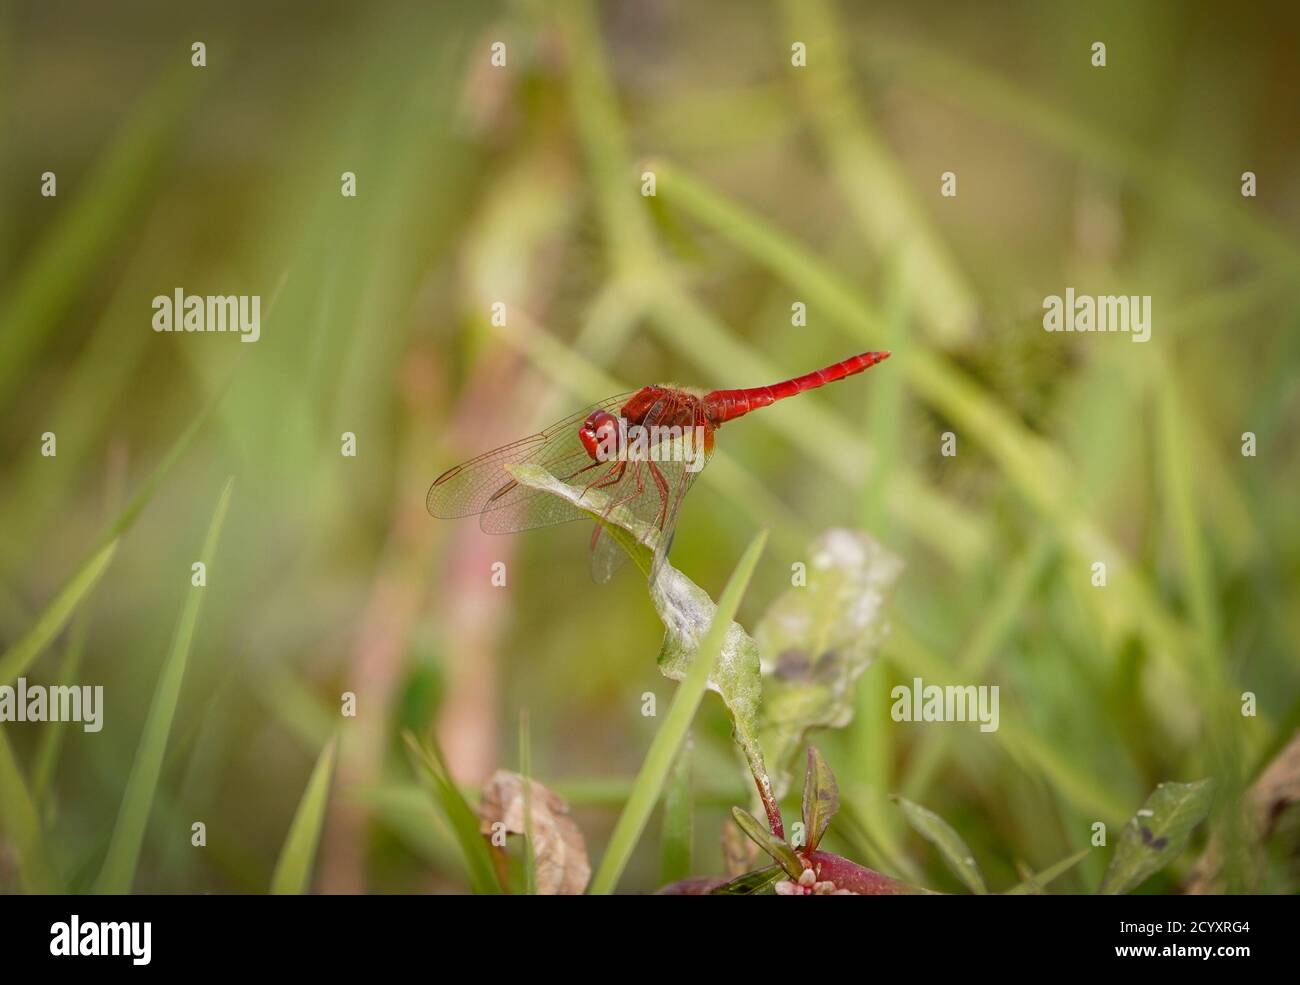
(558, 846)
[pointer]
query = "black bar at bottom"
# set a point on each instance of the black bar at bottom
(212, 934)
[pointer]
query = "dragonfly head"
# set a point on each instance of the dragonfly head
(600, 436)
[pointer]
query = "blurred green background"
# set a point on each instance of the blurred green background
(522, 185)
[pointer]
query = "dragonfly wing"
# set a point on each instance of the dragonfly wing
(512, 506)
(484, 485)
(606, 556)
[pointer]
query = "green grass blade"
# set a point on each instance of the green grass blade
(55, 616)
(137, 800)
(1037, 883)
(47, 756)
(21, 825)
(293, 869)
(941, 834)
(1222, 745)
(461, 817)
(668, 740)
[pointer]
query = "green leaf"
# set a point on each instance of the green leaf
(940, 833)
(1157, 833)
(137, 801)
(293, 869)
(776, 847)
(821, 798)
(686, 611)
(55, 616)
(636, 538)
(816, 640)
(668, 740)
(21, 825)
(758, 882)
(1037, 883)
(464, 822)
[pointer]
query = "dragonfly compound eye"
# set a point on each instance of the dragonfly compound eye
(600, 436)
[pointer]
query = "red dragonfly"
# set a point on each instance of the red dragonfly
(641, 450)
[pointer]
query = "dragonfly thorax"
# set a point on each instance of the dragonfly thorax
(652, 415)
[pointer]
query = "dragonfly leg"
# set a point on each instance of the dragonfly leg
(661, 483)
(637, 489)
(607, 480)
(614, 474)
(573, 475)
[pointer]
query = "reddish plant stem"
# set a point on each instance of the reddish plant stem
(774, 822)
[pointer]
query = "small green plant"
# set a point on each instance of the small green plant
(797, 674)
(805, 870)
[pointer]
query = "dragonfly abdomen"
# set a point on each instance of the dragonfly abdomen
(726, 405)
